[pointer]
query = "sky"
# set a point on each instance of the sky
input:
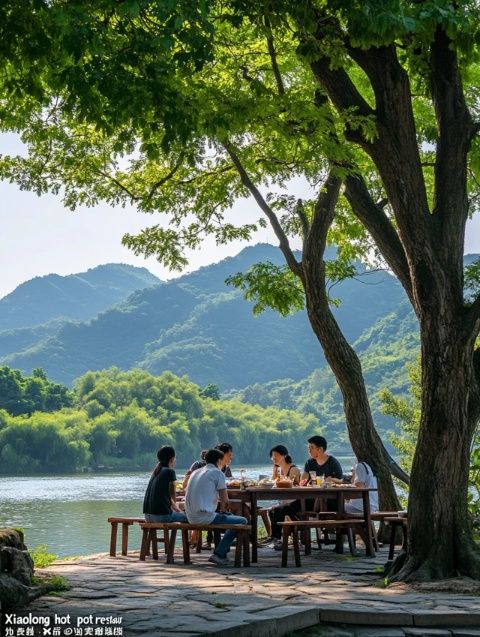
(38, 236)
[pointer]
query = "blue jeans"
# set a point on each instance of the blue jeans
(228, 537)
(174, 516)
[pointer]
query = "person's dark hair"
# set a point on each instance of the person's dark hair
(318, 441)
(225, 447)
(164, 455)
(203, 453)
(213, 456)
(283, 451)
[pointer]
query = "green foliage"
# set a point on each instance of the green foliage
(269, 285)
(54, 583)
(472, 280)
(122, 418)
(26, 394)
(210, 391)
(41, 557)
(406, 412)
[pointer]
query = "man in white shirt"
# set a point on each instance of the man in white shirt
(205, 491)
(363, 476)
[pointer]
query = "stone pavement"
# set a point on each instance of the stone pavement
(159, 600)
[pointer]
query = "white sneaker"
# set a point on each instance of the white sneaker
(219, 561)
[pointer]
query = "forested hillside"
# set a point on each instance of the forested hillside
(119, 420)
(76, 296)
(199, 326)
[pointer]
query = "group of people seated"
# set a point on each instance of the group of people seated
(206, 498)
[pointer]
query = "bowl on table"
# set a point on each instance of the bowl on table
(266, 483)
(284, 483)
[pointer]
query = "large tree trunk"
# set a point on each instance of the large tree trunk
(440, 538)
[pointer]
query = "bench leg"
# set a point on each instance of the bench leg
(308, 541)
(296, 546)
(171, 545)
(285, 546)
(125, 526)
(153, 543)
(186, 547)
(338, 542)
(375, 537)
(351, 541)
(145, 543)
(391, 550)
(246, 548)
(113, 539)
(238, 550)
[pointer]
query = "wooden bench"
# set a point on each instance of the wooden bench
(149, 538)
(126, 523)
(293, 527)
(396, 523)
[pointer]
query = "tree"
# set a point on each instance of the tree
(383, 99)
(202, 175)
(25, 394)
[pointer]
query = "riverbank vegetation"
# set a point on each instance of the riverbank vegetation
(119, 419)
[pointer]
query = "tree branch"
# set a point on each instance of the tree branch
(167, 177)
(303, 218)
(455, 128)
(119, 185)
(273, 59)
(324, 212)
(292, 263)
(380, 227)
(343, 94)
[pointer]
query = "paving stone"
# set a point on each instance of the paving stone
(342, 616)
(290, 618)
(442, 618)
(180, 600)
(466, 632)
(326, 631)
(379, 632)
(427, 632)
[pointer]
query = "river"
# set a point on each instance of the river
(68, 513)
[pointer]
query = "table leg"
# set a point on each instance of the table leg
(370, 550)
(125, 526)
(113, 539)
(338, 532)
(254, 522)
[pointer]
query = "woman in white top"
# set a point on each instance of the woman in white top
(363, 476)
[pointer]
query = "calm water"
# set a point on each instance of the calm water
(69, 513)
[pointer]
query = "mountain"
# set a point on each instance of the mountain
(197, 325)
(76, 296)
(384, 349)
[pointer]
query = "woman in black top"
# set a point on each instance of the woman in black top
(159, 504)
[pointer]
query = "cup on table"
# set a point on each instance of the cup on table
(313, 478)
(319, 480)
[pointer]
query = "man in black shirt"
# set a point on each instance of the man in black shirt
(320, 462)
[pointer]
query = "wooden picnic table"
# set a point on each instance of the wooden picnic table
(252, 495)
